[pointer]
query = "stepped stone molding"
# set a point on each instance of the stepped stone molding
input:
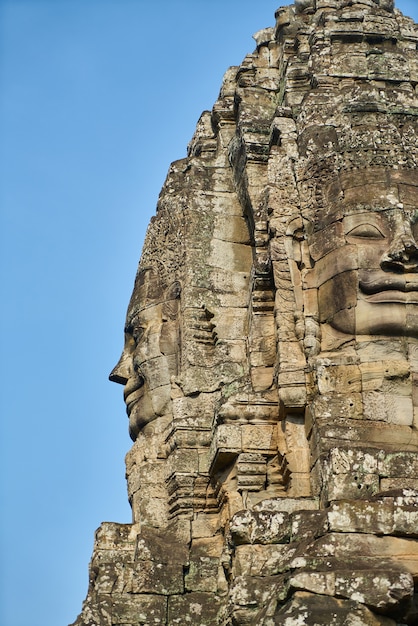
(271, 346)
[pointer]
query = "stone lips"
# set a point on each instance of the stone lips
(271, 345)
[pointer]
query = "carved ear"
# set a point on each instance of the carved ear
(174, 291)
(171, 302)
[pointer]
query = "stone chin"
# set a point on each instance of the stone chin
(145, 409)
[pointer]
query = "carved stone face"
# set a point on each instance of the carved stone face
(365, 253)
(150, 354)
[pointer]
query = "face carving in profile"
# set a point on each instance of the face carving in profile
(366, 259)
(150, 355)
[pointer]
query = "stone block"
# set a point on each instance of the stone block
(260, 527)
(381, 589)
(152, 545)
(251, 464)
(205, 525)
(399, 464)
(291, 356)
(262, 378)
(262, 559)
(293, 396)
(194, 608)
(183, 460)
(187, 410)
(205, 571)
(230, 290)
(260, 437)
(389, 408)
(111, 535)
(262, 325)
(141, 610)
(337, 433)
(308, 525)
(361, 517)
(233, 257)
(203, 461)
(264, 356)
(379, 350)
(185, 435)
(337, 294)
(287, 505)
(344, 460)
(387, 484)
(231, 228)
(339, 378)
(400, 551)
(300, 485)
(149, 510)
(153, 577)
(250, 594)
(202, 574)
(96, 610)
(405, 497)
(110, 576)
(228, 436)
(231, 323)
(339, 405)
(311, 608)
(112, 556)
(349, 486)
(151, 472)
(405, 521)
(322, 583)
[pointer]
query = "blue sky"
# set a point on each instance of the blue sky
(97, 97)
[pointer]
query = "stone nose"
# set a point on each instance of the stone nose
(122, 370)
(402, 255)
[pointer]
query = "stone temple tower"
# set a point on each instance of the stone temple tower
(270, 363)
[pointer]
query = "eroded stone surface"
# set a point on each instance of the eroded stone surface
(271, 346)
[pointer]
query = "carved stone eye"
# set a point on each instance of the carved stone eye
(133, 335)
(137, 333)
(366, 231)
